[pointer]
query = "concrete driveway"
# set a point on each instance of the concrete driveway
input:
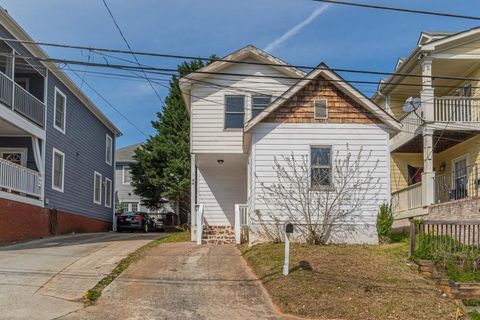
(184, 281)
(44, 279)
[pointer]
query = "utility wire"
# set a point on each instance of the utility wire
(405, 10)
(109, 103)
(131, 50)
(384, 73)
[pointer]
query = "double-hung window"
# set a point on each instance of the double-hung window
(58, 170)
(259, 103)
(127, 175)
(97, 188)
(321, 109)
(320, 167)
(108, 150)
(108, 193)
(59, 116)
(234, 112)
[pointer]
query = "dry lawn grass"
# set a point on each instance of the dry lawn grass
(348, 282)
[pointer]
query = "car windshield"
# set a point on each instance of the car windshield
(130, 214)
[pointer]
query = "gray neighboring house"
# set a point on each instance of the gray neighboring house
(125, 196)
(56, 147)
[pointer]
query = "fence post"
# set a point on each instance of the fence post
(412, 236)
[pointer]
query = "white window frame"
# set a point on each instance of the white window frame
(123, 175)
(315, 109)
(108, 195)
(95, 174)
(107, 160)
(321, 187)
(230, 112)
(260, 96)
(56, 151)
(62, 130)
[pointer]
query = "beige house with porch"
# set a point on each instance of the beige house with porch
(435, 157)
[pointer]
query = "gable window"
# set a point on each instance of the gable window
(58, 170)
(59, 115)
(108, 150)
(259, 103)
(127, 175)
(321, 109)
(97, 188)
(234, 112)
(108, 193)
(320, 167)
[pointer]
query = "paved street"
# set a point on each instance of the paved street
(44, 279)
(184, 281)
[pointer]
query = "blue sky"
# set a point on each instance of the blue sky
(343, 37)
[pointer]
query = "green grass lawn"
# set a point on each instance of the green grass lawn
(348, 282)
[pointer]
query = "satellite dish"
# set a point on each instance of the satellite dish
(411, 104)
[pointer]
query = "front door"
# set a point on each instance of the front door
(460, 179)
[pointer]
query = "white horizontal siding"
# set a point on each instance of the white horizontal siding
(207, 105)
(219, 189)
(278, 140)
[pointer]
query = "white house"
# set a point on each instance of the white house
(249, 113)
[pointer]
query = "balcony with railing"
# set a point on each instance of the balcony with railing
(22, 86)
(19, 180)
(460, 113)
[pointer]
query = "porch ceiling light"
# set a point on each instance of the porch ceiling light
(220, 161)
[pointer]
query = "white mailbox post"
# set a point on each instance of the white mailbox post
(288, 231)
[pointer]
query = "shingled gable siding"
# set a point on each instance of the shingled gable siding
(341, 108)
(84, 146)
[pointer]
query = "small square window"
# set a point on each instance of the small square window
(259, 103)
(321, 109)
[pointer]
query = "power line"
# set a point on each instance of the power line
(346, 70)
(131, 50)
(109, 103)
(405, 10)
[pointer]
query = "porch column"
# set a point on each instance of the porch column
(428, 176)
(193, 196)
(427, 93)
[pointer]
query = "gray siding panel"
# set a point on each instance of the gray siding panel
(84, 148)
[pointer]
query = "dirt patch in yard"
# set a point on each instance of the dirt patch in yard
(348, 282)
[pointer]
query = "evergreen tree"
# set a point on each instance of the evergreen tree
(162, 170)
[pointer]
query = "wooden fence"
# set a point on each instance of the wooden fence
(445, 235)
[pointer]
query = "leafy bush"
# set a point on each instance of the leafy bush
(384, 223)
(474, 315)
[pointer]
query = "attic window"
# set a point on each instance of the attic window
(321, 109)
(259, 103)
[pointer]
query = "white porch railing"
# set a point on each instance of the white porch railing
(408, 198)
(199, 216)
(241, 221)
(21, 101)
(457, 109)
(19, 179)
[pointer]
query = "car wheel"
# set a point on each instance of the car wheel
(145, 228)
